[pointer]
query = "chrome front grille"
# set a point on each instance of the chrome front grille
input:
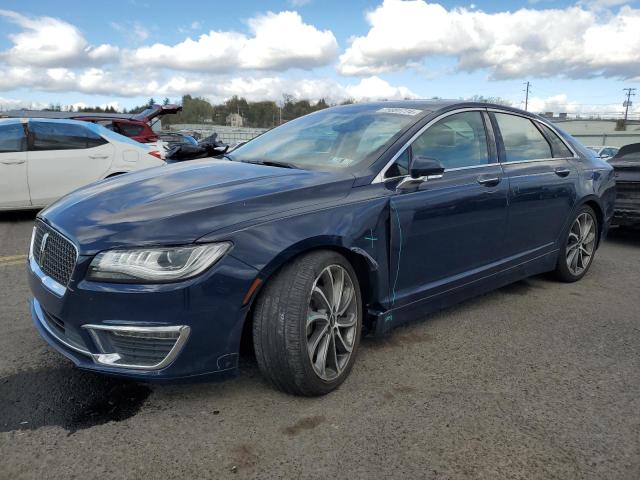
(55, 255)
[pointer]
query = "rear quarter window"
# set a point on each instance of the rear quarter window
(558, 147)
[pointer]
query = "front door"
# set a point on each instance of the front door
(64, 156)
(449, 230)
(14, 190)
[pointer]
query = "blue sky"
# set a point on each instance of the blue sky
(577, 55)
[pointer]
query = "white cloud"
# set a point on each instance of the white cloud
(374, 88)
(574, 41)
(278, 41)
(217, 88)
(44, 41)
(15, 104)
(48, 41)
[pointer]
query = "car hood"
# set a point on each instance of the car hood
(178, 204)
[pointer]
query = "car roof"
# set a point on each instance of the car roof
(63, 115)
(435, 105)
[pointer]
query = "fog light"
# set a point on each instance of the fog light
(149, 348)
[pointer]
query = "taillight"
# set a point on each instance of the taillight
(156, 154)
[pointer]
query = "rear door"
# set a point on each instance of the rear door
(14, 190)
(62, 157)
(542, 184)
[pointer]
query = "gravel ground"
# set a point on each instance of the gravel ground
(536, 380)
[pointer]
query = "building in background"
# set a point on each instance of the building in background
(599, 131)
(235, 120)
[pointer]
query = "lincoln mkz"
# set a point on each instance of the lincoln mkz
(353, 219)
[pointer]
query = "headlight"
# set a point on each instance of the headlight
(155, 265)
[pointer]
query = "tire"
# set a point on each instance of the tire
(289, 319)
(577, 239)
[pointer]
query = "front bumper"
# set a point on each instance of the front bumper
(174, 331)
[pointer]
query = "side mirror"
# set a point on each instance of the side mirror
(422, 168)
(425, 167)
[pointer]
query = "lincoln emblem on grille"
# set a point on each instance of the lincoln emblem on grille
(43, 246)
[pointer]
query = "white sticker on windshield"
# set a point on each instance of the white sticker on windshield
(400, 111)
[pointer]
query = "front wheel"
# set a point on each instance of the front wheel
(578, 246)
(307, 324)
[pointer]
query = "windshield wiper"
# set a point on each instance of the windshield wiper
(270, 163)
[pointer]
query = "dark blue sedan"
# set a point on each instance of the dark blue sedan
(354, 218)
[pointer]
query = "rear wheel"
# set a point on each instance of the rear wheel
(579, 246)
(307, 324)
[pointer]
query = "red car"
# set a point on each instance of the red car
(137, 126)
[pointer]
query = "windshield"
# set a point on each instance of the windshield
(335, 138)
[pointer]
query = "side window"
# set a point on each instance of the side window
(12, 138)
(62, 136)
(459, 140)
(558, 147)
(400, 167)
(522, 140)
(93, 139)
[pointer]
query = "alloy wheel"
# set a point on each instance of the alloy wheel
(581, 243)
(332, 319)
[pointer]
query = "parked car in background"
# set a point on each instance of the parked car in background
(43, 159)
(626, 164)
(362, 216)
(604, 152)
(140, 127)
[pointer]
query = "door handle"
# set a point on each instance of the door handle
(12, 162)
(488, 181)
(562, 172)
(98, 156)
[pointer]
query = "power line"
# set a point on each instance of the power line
(627, 103)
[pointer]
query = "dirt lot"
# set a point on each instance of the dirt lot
(536, 380)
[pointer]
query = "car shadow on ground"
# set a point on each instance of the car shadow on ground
(624, 236)
(18, 215)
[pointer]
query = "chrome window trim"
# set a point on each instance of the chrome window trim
(379, 178)
(40, 314)
(110, 359)
(551, 127)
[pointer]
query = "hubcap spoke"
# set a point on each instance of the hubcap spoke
(316, 338)
(321, 360)
(341, 341)
(318, 291)
(346, 321)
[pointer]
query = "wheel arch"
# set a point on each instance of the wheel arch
(364, 266)
(594, 203)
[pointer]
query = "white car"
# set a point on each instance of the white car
(43, 159)
(604, 152)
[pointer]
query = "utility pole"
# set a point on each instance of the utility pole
(526, 97)
(628, 103)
